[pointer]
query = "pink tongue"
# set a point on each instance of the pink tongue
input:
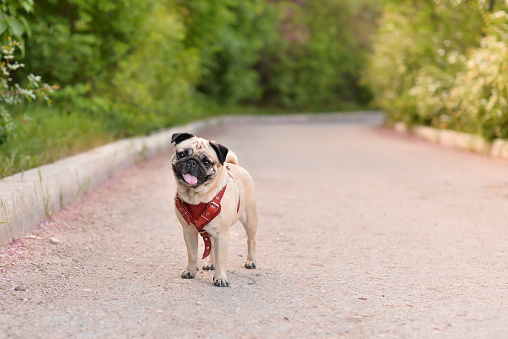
(190, 179)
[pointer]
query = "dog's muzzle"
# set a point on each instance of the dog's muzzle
(190, 169)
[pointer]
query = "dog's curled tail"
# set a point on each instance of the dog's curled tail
(232, 158)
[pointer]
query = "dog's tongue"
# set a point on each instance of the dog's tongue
(190, 179)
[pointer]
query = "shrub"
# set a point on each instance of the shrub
(479, 95)
(415, 43)
(447, 75)
(123, 62)
(312, 60)
(12, 93)
(229, 36)
(154, 83)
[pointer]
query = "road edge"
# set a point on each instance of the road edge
(457, 140)
(29, 197)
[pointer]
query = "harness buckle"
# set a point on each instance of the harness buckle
(213, 203)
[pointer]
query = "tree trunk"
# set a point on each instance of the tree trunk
(491, 6)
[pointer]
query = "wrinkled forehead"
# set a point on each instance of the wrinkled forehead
(198, 145)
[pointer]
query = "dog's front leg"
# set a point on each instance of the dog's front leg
(191, 241)
(221, 242)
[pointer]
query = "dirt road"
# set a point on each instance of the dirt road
(363, 233)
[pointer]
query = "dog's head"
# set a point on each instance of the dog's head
(195, 160)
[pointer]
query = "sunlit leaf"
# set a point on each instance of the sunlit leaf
(17, 27)
(3, 27)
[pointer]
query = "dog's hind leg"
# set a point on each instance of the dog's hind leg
(249, 221)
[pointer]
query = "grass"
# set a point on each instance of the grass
(49, 134)
(214, 109)
(5, 221)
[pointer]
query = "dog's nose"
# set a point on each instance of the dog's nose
(191, 162)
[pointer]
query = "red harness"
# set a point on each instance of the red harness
(201, 214)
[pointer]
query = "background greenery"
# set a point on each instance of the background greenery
(129, 67)
(443, 64)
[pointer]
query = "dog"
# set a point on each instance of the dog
(212, 193)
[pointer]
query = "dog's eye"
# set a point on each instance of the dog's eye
(207, 163)
(180, 155)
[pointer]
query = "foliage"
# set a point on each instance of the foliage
(229, 35)
(134, 66)
(120, 61)
(13, 93)
(13, 22)
(312, 60)
(142, 64)
(446, 75)
(81, 41)
(47, 137)
(154, 82)
(480, 90)
(413, 39)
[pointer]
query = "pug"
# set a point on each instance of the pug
(212, 193)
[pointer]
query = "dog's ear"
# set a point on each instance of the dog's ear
(179, 137)
(221, 151)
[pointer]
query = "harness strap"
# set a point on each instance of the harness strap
(201, 214)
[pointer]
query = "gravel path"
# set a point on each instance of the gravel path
(363, 233)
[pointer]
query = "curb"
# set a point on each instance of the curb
(458, 140)
(29, 197)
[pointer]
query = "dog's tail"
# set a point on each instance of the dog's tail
(232, 158)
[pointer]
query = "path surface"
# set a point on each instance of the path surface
(363, 233)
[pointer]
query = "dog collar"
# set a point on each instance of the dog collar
(201, 214)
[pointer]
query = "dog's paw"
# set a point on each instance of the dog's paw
(220, 282)
(250, 265)
(188, 275)
(208, 267)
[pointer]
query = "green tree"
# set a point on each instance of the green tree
(315, 58)
(416, 40)
(229, 35)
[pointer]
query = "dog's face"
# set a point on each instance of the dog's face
(196, 161)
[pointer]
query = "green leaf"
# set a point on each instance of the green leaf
(28, 6)
(26, 25)
(17, 27)
(3, 27)
(22, 46)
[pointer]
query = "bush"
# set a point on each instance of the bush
(229, 36)
(480, 90)
(134, 66)
(154, 83)
(312, 60)
(446, 77)
(416, 39)
(142, 64)
(123, 62)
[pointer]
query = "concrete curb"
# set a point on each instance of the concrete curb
(458, 140)
(28, 198)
